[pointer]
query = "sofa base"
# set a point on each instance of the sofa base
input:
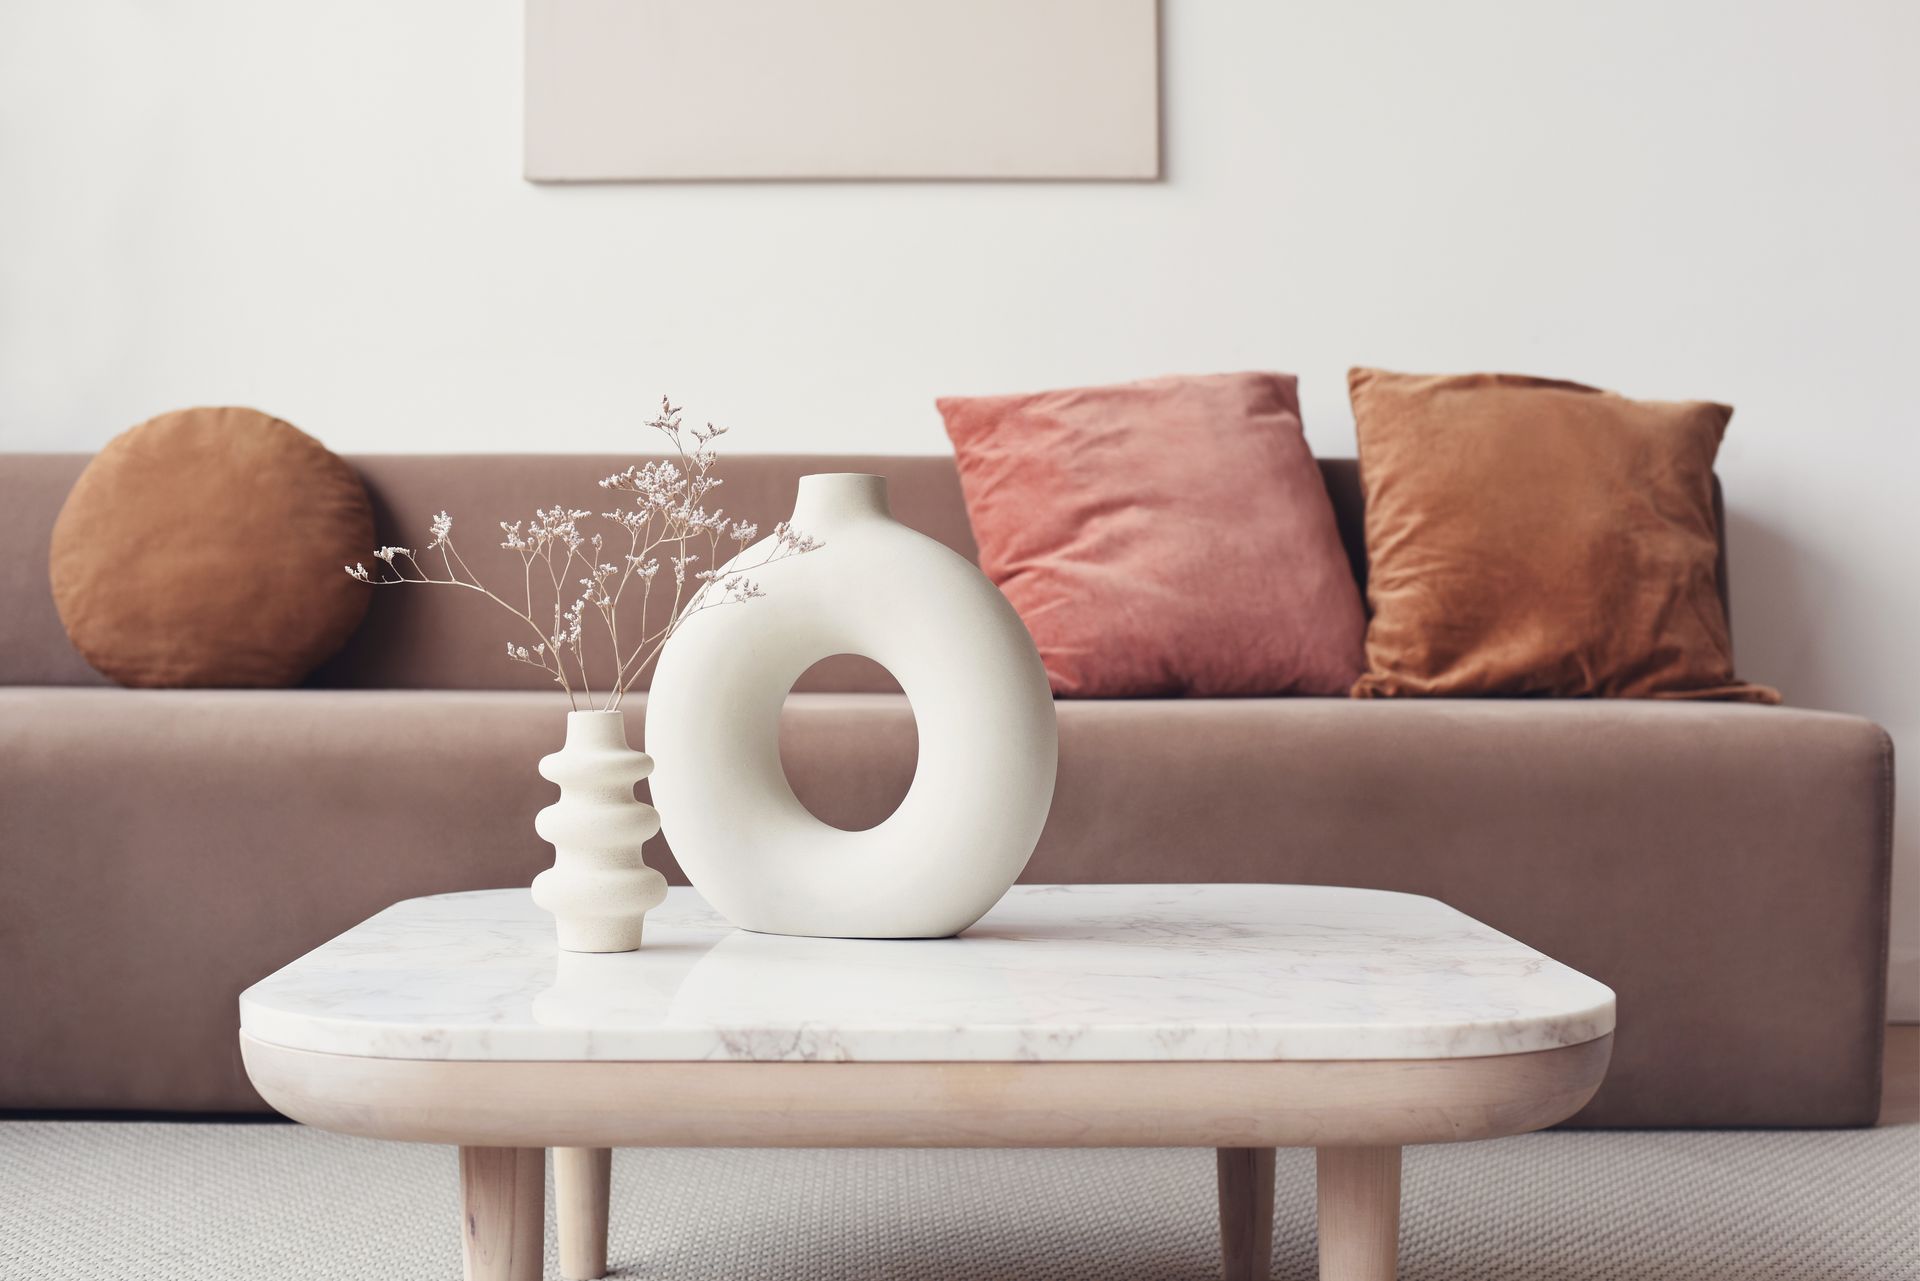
(1723, 868)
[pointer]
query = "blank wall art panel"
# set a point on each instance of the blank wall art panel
(889, 89)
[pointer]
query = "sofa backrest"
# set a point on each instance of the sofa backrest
(428, 638)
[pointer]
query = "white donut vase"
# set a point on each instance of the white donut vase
(982, 708)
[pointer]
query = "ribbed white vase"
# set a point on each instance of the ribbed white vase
(599, 889)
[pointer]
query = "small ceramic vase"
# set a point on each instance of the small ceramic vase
(599, 889)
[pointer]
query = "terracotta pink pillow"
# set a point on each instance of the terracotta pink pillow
(1163, 537)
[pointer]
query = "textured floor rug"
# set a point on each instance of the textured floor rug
(162, 1202)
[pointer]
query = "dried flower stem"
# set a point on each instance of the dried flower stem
(668, 516)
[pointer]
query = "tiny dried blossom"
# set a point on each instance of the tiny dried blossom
(535, 657)
(792, 540)
(668, 512)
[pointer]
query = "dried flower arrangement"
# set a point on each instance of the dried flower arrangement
(668, 518)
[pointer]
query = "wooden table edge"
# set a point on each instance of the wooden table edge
(725, 1103)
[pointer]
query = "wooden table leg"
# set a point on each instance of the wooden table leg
(582, 1181)
(1359, 1196)
(1245, 1178)
(503, 1204)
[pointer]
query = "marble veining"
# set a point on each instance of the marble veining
(1054, 972)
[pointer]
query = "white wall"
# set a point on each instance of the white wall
(314, 208)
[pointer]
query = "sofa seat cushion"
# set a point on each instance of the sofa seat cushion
(1723, 867)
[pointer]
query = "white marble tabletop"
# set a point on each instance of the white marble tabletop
(1054, 972)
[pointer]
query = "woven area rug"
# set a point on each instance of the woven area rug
(169, 1202)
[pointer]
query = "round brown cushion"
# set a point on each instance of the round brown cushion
(207, 547)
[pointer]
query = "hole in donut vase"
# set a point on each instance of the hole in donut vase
(984, 721)
(849, 757)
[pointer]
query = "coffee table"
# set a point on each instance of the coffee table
(1236, 1017)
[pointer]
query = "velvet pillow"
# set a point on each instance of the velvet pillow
(1533, 537)
(1164, 537)
(208, 547)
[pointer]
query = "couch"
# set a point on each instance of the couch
(1723, 867)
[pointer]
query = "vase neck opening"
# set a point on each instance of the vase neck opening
(825, 498)
(596, 729)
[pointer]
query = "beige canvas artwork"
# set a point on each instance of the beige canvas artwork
(667, 90)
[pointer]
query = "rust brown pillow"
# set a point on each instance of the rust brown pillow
(205, 548)
(1533, 537)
